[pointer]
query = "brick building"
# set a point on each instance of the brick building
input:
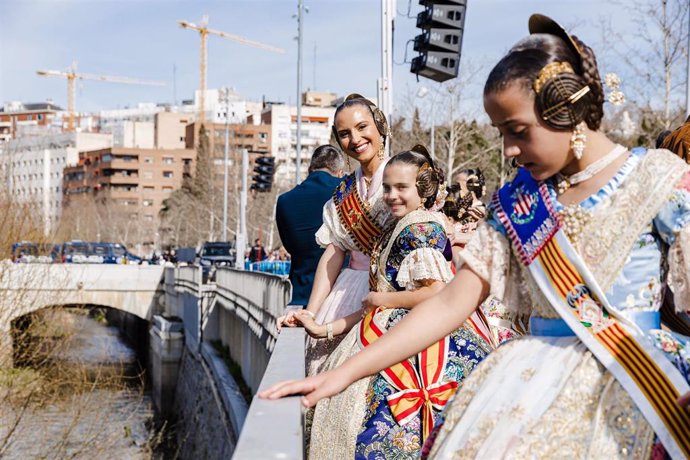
(130, 183)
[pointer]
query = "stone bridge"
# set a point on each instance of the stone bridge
(26, 288)
(239, 311)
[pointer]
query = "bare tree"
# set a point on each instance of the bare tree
(654, 50)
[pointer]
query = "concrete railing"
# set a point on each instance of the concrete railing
(244, 315)
(240, 311)
(274, 429)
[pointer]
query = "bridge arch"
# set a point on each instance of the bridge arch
(26, 288)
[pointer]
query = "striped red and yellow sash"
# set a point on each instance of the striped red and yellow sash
(420, 387)
(541, 244)
(652, 382)
(353, 214)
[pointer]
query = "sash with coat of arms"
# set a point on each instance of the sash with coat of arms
(525, 210)
(353, 213)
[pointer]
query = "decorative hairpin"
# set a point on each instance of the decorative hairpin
(549, 71)
(613, 83)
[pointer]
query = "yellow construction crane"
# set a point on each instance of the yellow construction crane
(203, 33)
(71, 75)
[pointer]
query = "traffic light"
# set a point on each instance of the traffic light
(440, 43)
(264, 169)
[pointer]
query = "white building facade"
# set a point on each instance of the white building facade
(316, 130)
(33, 169)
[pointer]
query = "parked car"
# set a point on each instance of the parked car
(114, 253)
(79, 252)
(28, 252)
(215, 254)
(24, 252)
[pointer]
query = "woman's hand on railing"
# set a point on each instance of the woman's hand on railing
(305, 319)
(288, 319)
(313, 388)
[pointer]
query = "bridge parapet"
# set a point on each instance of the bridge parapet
(274, 429)
(26, 288)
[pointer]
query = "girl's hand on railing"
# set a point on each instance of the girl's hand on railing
(374, 299)
(313, 388)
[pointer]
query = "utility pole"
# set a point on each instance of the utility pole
(241, 239)
(385, 86)
(224, 96)
(298, 153)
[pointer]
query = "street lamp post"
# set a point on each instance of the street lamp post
(224, 96)
(298, 152)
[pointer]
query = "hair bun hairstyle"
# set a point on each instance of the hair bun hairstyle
(376, 113)
(430, 180)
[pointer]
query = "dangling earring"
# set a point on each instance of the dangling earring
(347, 160)
(382, 149)
(578, 140)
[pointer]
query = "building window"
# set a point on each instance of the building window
(167, 188)
(168, 160)
(148, 160)
(167, 174)
(148, 217)
(148, 174)
(147, 203)
(149, 188)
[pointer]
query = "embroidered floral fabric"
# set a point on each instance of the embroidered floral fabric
(418, 249)
(332, 231)
(417, 255)
(381, 437)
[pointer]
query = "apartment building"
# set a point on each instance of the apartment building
(130, 184)
(33, 168)
(316, 130)
(255, 138)
(137, 179)
(170, 129)
(17, 115)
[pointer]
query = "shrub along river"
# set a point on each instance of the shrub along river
(78, 390)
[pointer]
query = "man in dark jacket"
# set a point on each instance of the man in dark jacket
(257, 253)
(299, 214)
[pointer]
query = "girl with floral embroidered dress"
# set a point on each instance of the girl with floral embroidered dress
(388, 415)
(585, 242)
(352, 223)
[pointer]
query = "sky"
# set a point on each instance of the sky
(141, 39)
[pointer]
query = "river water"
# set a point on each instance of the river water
(81, 395)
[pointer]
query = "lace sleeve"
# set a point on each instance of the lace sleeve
(331, 231)
(679, 270)
(423, 264)
(488, 254)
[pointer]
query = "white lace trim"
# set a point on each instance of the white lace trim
(488, 254)
(679, 270)
(423, 264)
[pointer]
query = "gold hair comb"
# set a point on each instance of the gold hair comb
(549, 71)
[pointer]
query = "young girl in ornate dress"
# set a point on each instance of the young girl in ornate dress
(389, 415)
(585, 242)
